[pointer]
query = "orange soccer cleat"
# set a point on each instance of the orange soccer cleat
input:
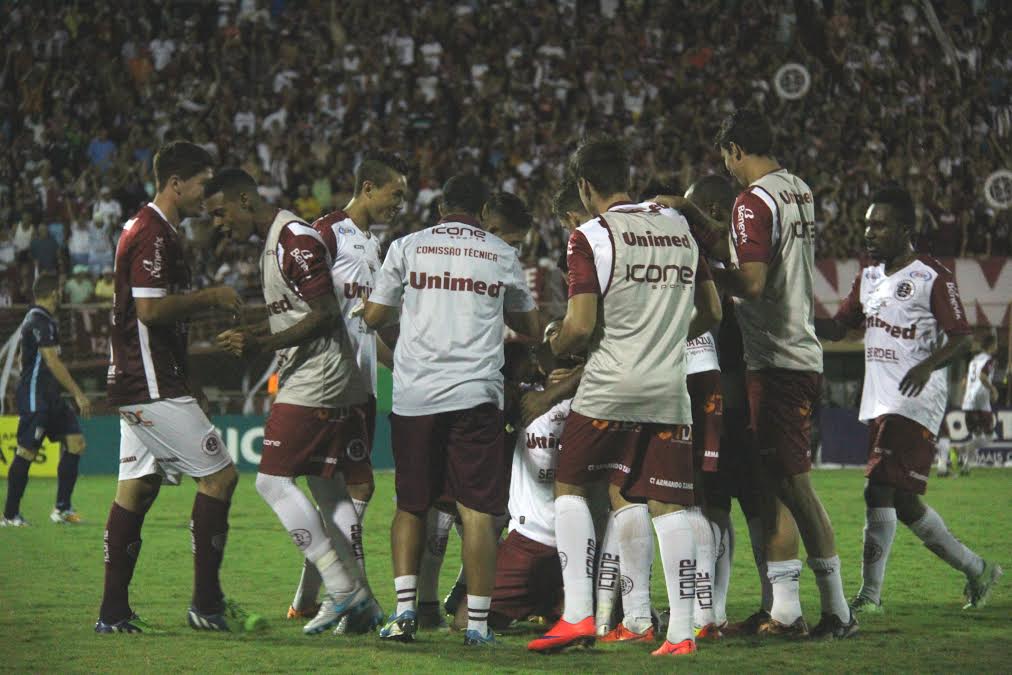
(710, 631)
(307, 613)
(622, 634)
(564, 635)
(681, 649)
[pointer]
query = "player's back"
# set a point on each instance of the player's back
(147, 362)
(976, 396)
(646, 263)
(37, 388)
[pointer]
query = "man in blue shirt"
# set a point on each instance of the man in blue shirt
(43, 413)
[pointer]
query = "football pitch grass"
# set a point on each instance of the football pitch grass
(52, 585)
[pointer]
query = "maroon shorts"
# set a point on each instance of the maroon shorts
(781, 403)
(528, 581)
(304, 441)
(645, 460)
(979, 422)
(900, 453)
(357, 464)
(457, 454)
(707, 418)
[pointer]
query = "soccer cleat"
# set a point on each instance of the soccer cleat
(232, 619)
(622, 634)
(401, 627)
(473, 638)
(709, 632)
(773, 628)
(68, 517)
(332, 610)
(978, 589)
(361, 622)
(750, 626)
(132, 624)
(430, 616)
(17, 521)
(564, 635)
(681, 649)
(454, 598)
(307, 613)
(863, 605)
(832, 627)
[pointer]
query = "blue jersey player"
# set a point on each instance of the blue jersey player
(43, 412)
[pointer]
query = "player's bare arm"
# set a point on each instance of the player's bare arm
(985, 381)
(534, 404)
(527, 324)
(708, 310)
(704, 228)
(578, 326)
(172, 308)
(748, 282)
(830, 329)
(323, 319)
(56, 366)
(384, 353)
(913, 382)
(378, 316)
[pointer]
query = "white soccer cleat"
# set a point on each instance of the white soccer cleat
(16, 521)
(333, 609)
(68, 517)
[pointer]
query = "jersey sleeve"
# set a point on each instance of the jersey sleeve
(582, 270)
(851, 312)
(947, 306)
(390, 279)
(518, 296)
(44, 331)
(303, 258)
(752, 229)
(149, 270)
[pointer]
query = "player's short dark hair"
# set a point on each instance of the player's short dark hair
(513, 210)
(604, 163)
(656, 187)
(748, 129)
(900, 201)
(182, 159)
(45, 285)
(713, 190)
(464, 192)
(379, 168)
(567, 199)
(230, 181)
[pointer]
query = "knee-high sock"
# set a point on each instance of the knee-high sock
(879, 532)
(722, 569)
(784, 576)
(636, 546)
(574, 535)
(608, 584)
(66, 478)
(830, 584)
(17, 481)
(755, 534)
(437, 532)
(122, 548)
(340, 515)
(932, 531)
(678, 557)
(208, 532)
(702, 532)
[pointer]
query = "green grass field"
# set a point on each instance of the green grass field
(52, 584)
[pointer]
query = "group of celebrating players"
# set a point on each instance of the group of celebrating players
(585, 438)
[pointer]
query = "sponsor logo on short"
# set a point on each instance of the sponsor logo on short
(211, 444)
(302, 538)
(356, 450)
(676, 484)
(904, 290)
(128, 459)
(135, 418)
(614, 466)
(272, 443)
(919, 477)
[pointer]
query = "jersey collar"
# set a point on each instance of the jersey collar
(460, 218)
(621, 202)
(161, 215)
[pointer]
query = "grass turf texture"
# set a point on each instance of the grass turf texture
(52, 587)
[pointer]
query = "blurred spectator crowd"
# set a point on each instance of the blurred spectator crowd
(296, 92)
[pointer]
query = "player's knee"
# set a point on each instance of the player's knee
(878, 496)
(273, 488)
(657, 508)
(909, 507)
(220, 485)
(75, 444)
(362, 491)
(27, 454)
(562, 489)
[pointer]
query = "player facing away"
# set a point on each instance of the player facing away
(318, 416)
(163, 430)
(454, 283)
(634, 278)
(914, 326)
(380, 185)
(42, 413)
(978, 396)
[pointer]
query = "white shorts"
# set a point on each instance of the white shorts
(169, 438)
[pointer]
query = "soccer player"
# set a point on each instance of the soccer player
(42, 412)
(914, 326)
(319, 411)
(164, 432)
(634, 279)
(454, 283)
(978, 396)
(380, 186)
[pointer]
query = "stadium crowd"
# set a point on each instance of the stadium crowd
(296, 92)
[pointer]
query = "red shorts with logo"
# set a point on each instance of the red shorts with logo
(645, 460)
(528, 581)
(979, 422)
(781, 403)
(304, 441)
(900, 453)
(707, 418)
(457, 454)
(357, 464)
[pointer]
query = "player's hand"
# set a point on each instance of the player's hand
(671, 201)
(915, 379)
(560, 374)
(359, 310)
(533, 405)
(83, 405)
(551, 330)
(225, 298)
(236, 342)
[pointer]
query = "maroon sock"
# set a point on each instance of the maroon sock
(122, 548)
(208, 530)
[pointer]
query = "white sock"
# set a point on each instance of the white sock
(437, 531)
(636, 544)
(943, 455)
(678, 557)
(574, 535)
(477, 612)
(827, 578)
(755, 534)
(298, 515)
(784, 576)
(338, 513)
(722, 570)
(407, 589)
(879, 532)
(702, 533)
(608, 585)
(932, 531)
(309, 586)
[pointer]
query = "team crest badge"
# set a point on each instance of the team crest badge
(904, 290)
(356, 450)
(211, 445)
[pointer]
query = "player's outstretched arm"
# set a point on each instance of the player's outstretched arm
(534, 404)
(63, 376)
(708, 309)
(172, 308)
(527, 324)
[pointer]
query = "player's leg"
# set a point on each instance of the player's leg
(636, 553)
(437, 533)
(608, 583)
(72, 447)
(723, 537)
(31, 432)
(879, 532)
(209, 533)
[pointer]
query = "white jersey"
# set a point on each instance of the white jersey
(977, 396)
(532, 481)
(295, 268)
(452, 282)
(355, 260)
(701, 353)
(907, 316)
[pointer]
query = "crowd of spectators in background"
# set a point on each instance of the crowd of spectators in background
(296, 92)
